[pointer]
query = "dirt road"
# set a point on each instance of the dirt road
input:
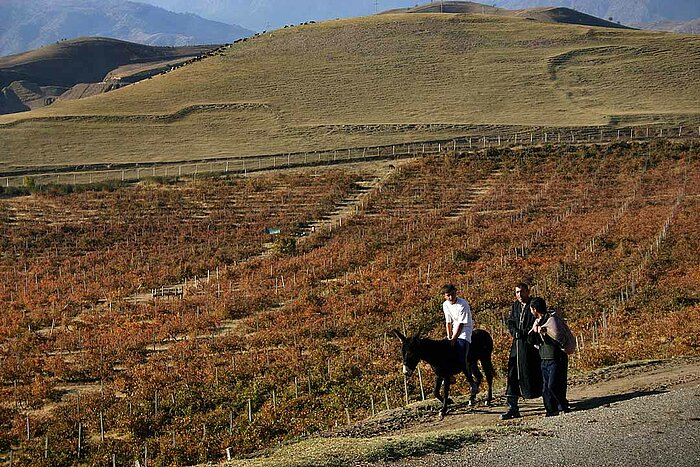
(639, 414)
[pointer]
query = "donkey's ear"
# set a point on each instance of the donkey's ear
(398, 334)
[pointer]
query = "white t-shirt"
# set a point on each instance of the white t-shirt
(459, 312)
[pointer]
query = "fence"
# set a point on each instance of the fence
(245, 164)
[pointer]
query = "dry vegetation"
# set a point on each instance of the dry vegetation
(371, 81)
(296, 339)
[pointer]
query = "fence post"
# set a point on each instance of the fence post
(80, 438)
(420, 380)
(405, 388)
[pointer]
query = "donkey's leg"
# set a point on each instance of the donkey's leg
(446, 400)
(487, 365)
(474, 369)
(438, 385)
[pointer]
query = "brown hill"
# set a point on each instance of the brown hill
(36, 78)
(546, 14)
(83, 60)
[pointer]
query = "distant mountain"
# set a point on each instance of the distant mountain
(682, 27)
(77, 68)
(26, 25)
(271, 14)
(266, 14)
(626, 11)
(547, 14)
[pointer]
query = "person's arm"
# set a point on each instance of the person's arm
(448, 328)
(457, 330)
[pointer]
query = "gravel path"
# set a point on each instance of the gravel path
(642, 429)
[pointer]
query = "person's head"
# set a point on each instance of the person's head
(449, 291)
(538, 307)
(522, 292)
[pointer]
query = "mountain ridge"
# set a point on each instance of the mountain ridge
(30, 25)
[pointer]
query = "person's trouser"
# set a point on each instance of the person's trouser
(554, 385)
(513, 386)
(463, 351)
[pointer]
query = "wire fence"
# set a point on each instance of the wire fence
(244, 164)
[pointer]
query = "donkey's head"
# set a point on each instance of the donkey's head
(409, 351)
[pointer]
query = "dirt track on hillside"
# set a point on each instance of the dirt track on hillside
(637, 414)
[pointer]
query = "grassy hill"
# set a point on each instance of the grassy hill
(375, 80)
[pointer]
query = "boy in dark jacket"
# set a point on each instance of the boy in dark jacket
(554, 360)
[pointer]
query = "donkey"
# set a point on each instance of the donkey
(445, 363)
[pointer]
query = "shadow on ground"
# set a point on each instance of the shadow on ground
(595, 402)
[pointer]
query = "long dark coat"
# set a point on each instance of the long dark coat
(524, 371)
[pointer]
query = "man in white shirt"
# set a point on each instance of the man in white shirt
(458, 321)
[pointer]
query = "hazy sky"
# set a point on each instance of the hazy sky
(267, 14)
(271, 14)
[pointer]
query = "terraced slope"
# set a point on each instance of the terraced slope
(376, 80)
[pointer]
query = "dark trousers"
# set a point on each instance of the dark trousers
(463, 351)
(554, 375)
(513, 385)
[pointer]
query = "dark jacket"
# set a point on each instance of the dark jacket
(523, 356)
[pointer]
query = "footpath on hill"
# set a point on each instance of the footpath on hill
(636, 414)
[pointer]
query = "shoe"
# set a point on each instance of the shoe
(553, 414)
(566, 409)
(510, 415)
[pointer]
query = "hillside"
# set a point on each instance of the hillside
(384, 79)
(31, 25)
(160, 319)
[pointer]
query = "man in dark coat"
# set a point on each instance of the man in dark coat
(524, 374)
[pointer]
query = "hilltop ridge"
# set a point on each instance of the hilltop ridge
(547, 14)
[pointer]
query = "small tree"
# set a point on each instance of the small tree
(29, 182)
(287, 245)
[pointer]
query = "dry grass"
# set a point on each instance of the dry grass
(351, 451)
(302, 85)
